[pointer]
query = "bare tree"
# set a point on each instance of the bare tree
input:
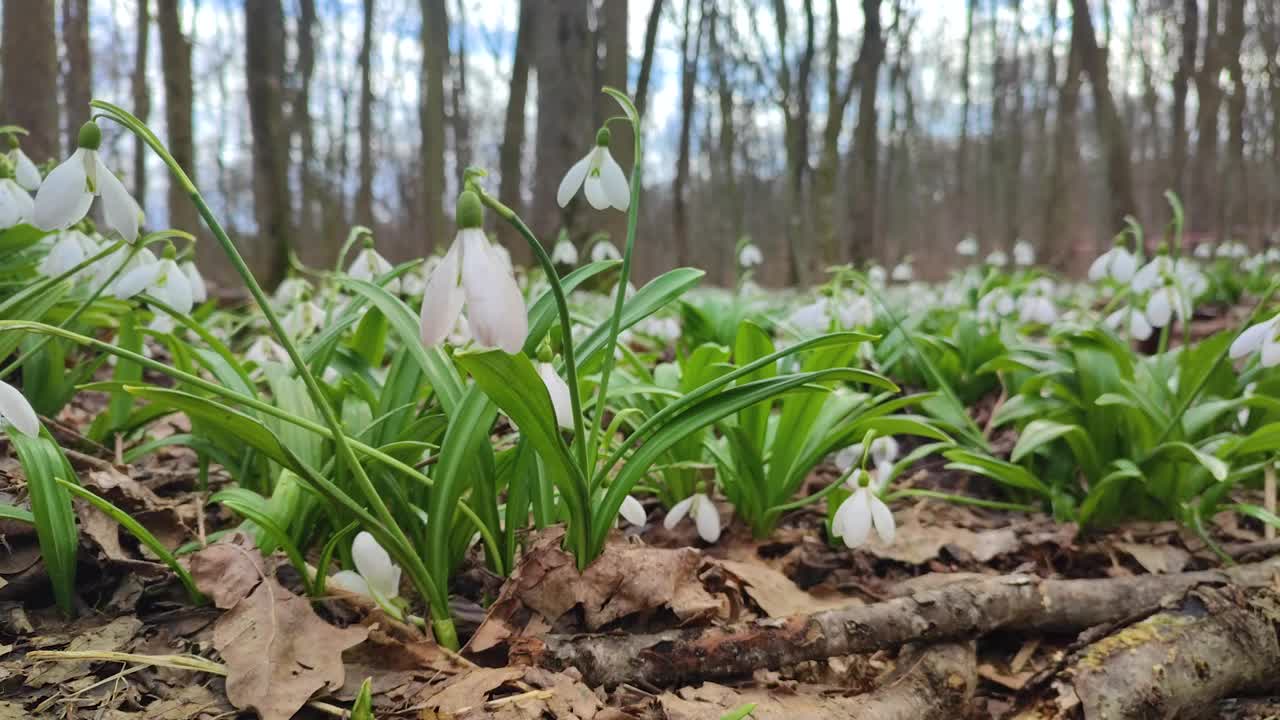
(646, 60)
(1237, 185)
(264, 66)
(793, 84)
(724, 177)
(364, 195)
(839, 92)
(511, 155)
(564, 102)
(29, 51)
(175, 49)
(862, 201)
(1202, 203)
(458, 90)
(141, 98)
(690, 51)
(301, 125)
(431, 117)
(613, 37)
(1181, 81)
(77, 84)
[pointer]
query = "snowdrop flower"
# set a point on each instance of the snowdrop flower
(1272, 255)
(750, 256)
(663, 328)
(996, 304)
(1023, 253)
(633, 512)
(967, 247)
(16, 205)
(266, 350)
(369, 265)
(69, 250)
(199, 290)
(559, 391)
(883, 453)
(414, 282)
(1117, 264)
(1133, 321)
(705, 516)
(902, 272)
(1189, 278)
(24, 170)
(303, 320)
(375, 576)
(16, 412)
(1152, 275)
(290, 291)
(860, 512)
(857, 312)
(472, 274)
(66, 194)
(599, 176)
(876, 275)
(1204, 251)
(604, 250)
(564, 253)
(1037, 308)
(162, 280)
(998, 259)
(1261, 339)
(812, 318)
(1166, 302)
(113, 268)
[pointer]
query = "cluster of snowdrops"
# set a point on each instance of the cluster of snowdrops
(357, 411)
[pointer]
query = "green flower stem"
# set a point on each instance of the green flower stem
(80, 309)
(435, 594)
(562, 309)
(620, 297)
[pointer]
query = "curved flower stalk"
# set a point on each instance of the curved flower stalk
(16, 412)
(375, 576)
(703, 511)
(471, 275)
(600, 177)
(67, 193)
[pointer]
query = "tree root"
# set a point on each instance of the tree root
(935, 682)
(1178, 663)
(960, 611)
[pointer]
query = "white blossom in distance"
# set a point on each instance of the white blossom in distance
(604, 250)
(1023, 253)
(564, 253)
(369, 265)
(903, 272)
(859, 513)
(1260, 338)
(997, 304)
(1132, 321)
(1117, 264)
(876, 275)
(162, 280)
(998, 259)
(375, 576)
(1038, 308)
(750, 256)
(70, 249)
(291, 290)
(705, 516)
(599, 176)
(967, 247)
(633, 512)
(1203, 251)
(24, 170)
(264, 350)
(66, 194)
(199, 288)
(472, 275)
(16, 412)
(16, 206)
(302, 320)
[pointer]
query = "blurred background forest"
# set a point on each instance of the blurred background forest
(827, 130)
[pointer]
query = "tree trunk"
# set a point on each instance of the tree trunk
(862, 203)
(175, 50)
(1203, 201)
(77, 83)
(1237, 185)
(458, 100)
(1179, 144)
(691, 49)
(724, 179)
(614, 74)
(364, 195)
(646, 60)
(565, 97)
(29, 50)
(1012, 171)
(264, 65)
(300, 124)
(431, 117)
(141, 100)
(511, 155)
(824, 179)
(1065, 146)
(962, 153)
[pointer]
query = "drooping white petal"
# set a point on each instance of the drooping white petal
(1270, 356)
(16, 206)
(351, 581)
(881, 519)
(856, 524)
(199, 291)
(1123, 266)
(632, 511)
(17, 412)
(1139, 328)
(677, 512)
(495, 307)
(614, 182)
(559, 391)
(442, 300)
(374, 564)
(848, 457)
(64, 197)
(750, 256)
(119, 210)
(25, 171)
(564, 253)
(1251, 340)
(136, 280)
(884, 449)
(593, 189)
(707, 518)
(573, 179)
(1160, 308)
(65, 254)
(171, 287)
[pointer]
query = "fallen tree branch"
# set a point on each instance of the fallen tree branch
(935, 682)
(962, 610)
(1178, 663)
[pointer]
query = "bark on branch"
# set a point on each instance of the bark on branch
(935, 682)
(963, 610)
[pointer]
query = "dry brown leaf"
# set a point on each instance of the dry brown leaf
(228, 571)
(775, 593)
(470, 690)
(111, 637)
(916, 544)
(1156, 559)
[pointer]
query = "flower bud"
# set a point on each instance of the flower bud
(90, 137)
(602, 137)
(469, 212)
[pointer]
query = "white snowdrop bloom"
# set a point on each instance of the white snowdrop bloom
(302, 320)
(414, 282)
(604, 250)
(16, 412)
(1151, 275)
(1254, 263)
(265, 349)
(998, 303)
(599, 176)
(66, 194)
(369, 265)
(705, 516)
(662, 328)
(812, 318)
(860, 512)
(1260, 338)
(1272, 255)
(967, 247)
(1023, 253)
(199, 289)
(1204, 251)
(564, 253)
(24, 170)
(1131, 321)
(1166, 303)
(633, 512)
(290, 291)
(559, 391)
(1037, 308)
(1189, 278)
(998, 259)
(16, 206)
(903, 272)
(114, 267)
(876, 275)
(884, 451)
(504, 257)
(473, 275)
(162, 280)
(70, 249)
(856, 312)
(375, 576)
(1116, 264)
(750, 256)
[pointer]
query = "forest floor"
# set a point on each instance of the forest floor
(970, 613)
